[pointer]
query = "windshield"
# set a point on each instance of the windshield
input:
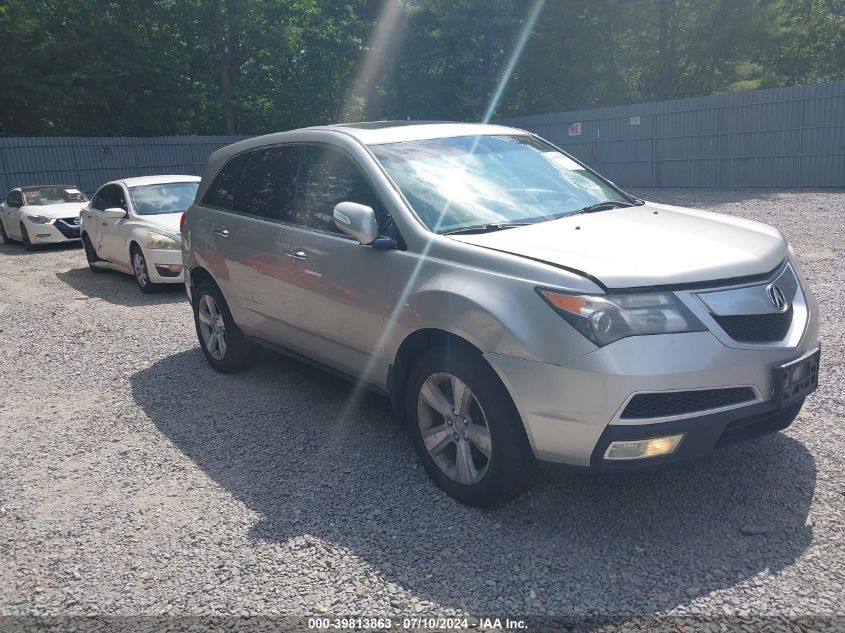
(468, 181)
(171, 197)
(53, 195)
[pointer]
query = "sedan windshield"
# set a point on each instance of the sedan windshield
(477, 181)
(53, 195)
(170, 197)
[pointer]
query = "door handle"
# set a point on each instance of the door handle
(297, 253)
(222, 231)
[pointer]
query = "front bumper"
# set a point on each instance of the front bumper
(57, 232)
(701, 435)
(165, 266)
(571, 413)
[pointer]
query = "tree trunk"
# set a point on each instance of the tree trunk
(227, 93)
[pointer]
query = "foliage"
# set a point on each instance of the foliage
(154, 67)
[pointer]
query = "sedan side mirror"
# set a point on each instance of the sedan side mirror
(115, 213)
(357, 221)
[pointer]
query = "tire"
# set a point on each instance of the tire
(213, 318)
(481, 456)
(5, 236)
(141, 271)
(90, 254)
(27, 243)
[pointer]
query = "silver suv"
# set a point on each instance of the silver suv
(516, 307)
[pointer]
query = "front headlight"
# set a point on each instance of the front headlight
(607, 318)
(39, 219)
(156, 240)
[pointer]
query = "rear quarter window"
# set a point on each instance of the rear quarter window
(221, 192)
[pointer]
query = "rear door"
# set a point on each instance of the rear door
(10, 213)
(103, 230)
(335, 295)
(249, 198)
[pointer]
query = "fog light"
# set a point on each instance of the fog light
(639, 449)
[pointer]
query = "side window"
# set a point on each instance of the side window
(328, 176)
(108, 197)
(221, 193)
(267, 186)
(15, 197)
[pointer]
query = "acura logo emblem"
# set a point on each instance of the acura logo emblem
(776, 297)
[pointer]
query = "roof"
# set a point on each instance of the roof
(379, 132)
(366, 133)
(156, 180)
(37, 187)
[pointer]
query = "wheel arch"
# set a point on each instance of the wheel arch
(411, 348)
(199, 275)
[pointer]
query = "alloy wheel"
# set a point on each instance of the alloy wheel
(212, 327)
(140, 266)
(89, 250)
(25, 238)
(454, 428)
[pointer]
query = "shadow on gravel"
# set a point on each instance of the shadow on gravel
(16, 250)
(278, 438)
(119, 288)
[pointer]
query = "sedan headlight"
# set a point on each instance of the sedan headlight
(39, 219)
(607, 318)
(156, 240)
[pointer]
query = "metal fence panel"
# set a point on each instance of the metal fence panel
(786, 137)
(88, 162)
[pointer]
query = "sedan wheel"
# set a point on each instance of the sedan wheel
(27, 243)
(142, 273)
(5, 236)
(454, 428)
(91, 254)
(212, 327)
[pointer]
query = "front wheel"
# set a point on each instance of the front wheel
(466, 429)
(142, 272)
(224, 345)
(5, 236)
(90, 254)
(27, 243)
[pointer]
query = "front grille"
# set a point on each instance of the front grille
(68, 227)
(756, 328)
(656, 405)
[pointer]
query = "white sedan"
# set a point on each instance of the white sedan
(132, 225)
(44, 214)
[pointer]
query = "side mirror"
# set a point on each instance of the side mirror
(357, 221)
(115, 213)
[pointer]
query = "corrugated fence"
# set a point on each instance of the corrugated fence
(91, 161)
(784, 137)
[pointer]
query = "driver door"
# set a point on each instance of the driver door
(108, 241)
(11, 214)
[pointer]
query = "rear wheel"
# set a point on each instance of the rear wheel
(466, 429)
(27, 243)
(142, 272)
(224, 345)
(90, 254)
(5, 236)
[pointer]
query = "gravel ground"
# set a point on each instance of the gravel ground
(135, 480)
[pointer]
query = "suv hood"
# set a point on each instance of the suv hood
(649, 245)
(61, 210)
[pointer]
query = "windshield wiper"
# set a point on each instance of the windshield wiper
(605, 205)
(486, 228)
